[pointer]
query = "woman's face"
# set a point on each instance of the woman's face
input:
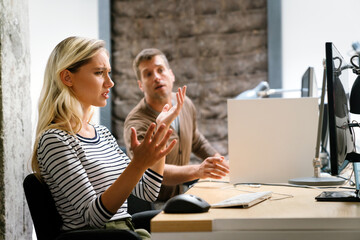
(91, 83)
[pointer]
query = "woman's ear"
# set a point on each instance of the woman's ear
(65, 77)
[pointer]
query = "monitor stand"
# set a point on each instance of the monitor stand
(317, 179)
(343, 196)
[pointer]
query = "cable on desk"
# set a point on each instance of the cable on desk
(294, 185)
(285, 196)
(275, 184)
(284, 184)
(351, 182)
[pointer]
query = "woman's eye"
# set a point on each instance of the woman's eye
(99, 73)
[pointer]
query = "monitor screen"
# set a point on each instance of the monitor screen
(308, 84)
(340, 134)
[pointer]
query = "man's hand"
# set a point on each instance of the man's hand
(167, 115)
(213, 167)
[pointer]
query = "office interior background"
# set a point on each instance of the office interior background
(218, 49)
(290, 34)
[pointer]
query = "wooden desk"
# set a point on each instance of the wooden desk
(281, 217)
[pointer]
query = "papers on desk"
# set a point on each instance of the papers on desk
(244, 200)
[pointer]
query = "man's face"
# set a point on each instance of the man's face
(157, 79)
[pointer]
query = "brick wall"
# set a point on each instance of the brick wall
(218, 48)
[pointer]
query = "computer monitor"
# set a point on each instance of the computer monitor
(341, 136)
(309, 86)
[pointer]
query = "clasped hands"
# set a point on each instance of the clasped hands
(154, 146)
(214, 167)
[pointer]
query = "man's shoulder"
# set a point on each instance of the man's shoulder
(139, 113)
(139, 108)
(188, 101)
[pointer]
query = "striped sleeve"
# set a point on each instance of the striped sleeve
(149, 185)
(59, 156)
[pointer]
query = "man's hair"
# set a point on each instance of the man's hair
(146, 55)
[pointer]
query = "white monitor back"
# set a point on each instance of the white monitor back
(271, 140)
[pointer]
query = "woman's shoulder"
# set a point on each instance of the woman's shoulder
(54, 132)
(56, 135)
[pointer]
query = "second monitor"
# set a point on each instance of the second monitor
(271, 140)
(309, 86)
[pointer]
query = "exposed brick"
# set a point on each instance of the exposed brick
(207, 7)
(218, 48)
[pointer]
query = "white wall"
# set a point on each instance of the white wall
(306, 26)
(50, 22)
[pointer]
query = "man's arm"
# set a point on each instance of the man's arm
(211, 167)
(200, 146)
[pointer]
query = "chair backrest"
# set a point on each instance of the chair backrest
(136, 205)
(46, 219)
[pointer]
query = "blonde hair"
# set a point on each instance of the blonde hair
(58, 106)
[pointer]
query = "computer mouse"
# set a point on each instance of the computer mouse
(186, 203)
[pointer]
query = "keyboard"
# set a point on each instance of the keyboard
(244, 200)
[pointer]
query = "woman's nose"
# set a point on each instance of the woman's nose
(109, 82)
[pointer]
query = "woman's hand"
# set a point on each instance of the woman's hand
(153, 147)
(167, 115)
(149, 152)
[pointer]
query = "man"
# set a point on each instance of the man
(156, 79)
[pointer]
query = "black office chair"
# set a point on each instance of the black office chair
(47, 221)
(136, 205)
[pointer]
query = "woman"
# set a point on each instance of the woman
(88, 175)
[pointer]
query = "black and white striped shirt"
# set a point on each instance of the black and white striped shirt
(78, 170)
